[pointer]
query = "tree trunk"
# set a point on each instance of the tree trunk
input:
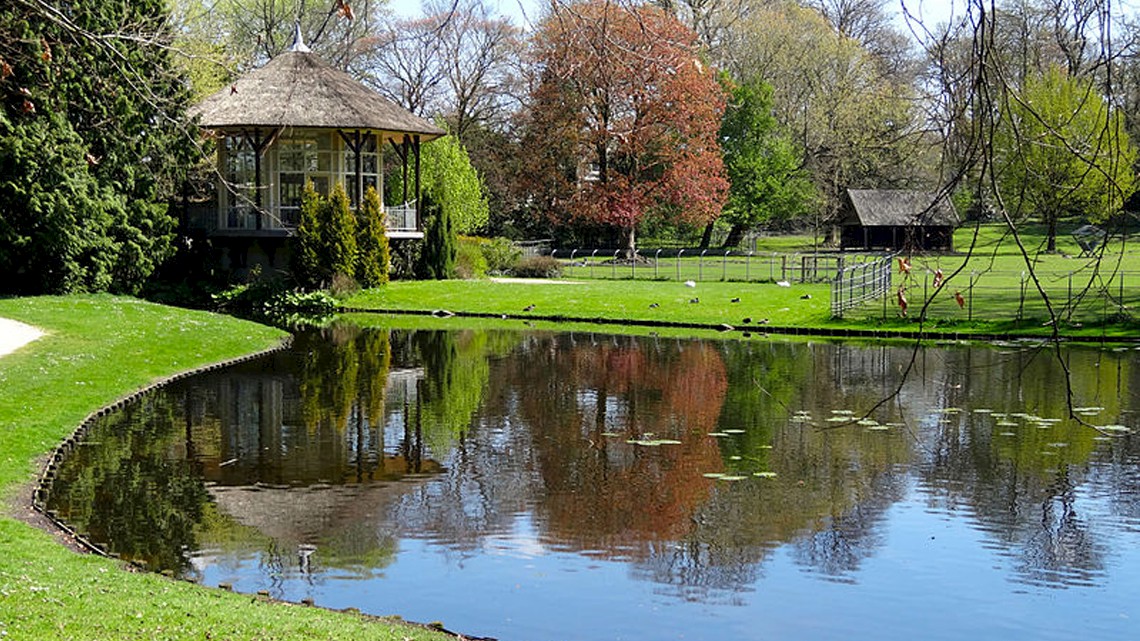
(630, 242)
(706, 237)
(1051, 244)
(735, 235)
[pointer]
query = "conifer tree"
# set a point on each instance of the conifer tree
(437, 260)
(92, 139)
(339, 235)
(371, 242)
(307, 264)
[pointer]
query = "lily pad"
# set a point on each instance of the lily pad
(764, 475)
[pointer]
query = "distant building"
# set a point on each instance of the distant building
(897, 219)
(296, 120)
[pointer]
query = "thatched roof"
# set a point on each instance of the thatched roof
(899, 207)
(299, 89)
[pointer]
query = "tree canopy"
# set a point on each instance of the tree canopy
(1063, 153)
(624, 118)
(765, 167)
(92, 125)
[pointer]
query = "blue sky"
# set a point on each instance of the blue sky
(933, 11)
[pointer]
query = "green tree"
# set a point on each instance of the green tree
(307, 262)
(1062, 153)
(91, 142)
(371, 242)
(339, 234)
(437, 260)
(767, 181)
(454, 183)
(857, 124)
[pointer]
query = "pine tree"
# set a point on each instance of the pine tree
(371, 242)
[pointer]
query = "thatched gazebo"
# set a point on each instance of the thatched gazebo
(296, 120)
(897, 219)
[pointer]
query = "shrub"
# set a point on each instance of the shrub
(500, 255)
(469, 260)
(537, 267)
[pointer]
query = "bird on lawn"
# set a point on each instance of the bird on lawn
(735, 300)
(746, 320)
(694, 300)
(653, 305)
(528, 308)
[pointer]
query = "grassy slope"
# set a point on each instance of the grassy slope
(96, 350)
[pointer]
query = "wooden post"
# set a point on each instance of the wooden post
(419, 189)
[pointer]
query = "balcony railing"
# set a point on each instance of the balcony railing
(401, 218)
(397, 218)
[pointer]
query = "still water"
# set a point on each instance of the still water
(543, 486)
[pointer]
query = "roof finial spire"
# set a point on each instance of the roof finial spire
(298, 39)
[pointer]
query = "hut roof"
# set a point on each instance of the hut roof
(299, 89)
(899, 207)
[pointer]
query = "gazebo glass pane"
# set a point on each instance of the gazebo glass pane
(238, 168)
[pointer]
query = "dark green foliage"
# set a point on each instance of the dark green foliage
(437, 259)
(766, 173)
(91, 140)
(371, 242)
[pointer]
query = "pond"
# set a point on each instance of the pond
(540, 486)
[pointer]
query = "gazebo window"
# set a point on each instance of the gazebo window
(300, 158)
(369, 168)
(239, 169)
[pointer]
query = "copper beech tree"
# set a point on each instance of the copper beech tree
(624, 119)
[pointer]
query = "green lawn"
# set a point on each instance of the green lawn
(989, 271)
(602, 300)
(98, 349)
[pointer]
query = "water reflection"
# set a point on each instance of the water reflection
(705, 469)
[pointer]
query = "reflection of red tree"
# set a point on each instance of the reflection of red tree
(604, 493)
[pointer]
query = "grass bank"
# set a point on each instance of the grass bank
(767, 308)
(96, 350)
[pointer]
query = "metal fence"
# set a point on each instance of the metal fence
(860, 283)
(702, 265)
(1075, 298)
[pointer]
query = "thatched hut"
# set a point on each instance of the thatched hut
(897, 219)
(296, 120)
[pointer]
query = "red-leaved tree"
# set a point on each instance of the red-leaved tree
(624, 119)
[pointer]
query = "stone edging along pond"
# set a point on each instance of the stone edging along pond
(47, 473)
